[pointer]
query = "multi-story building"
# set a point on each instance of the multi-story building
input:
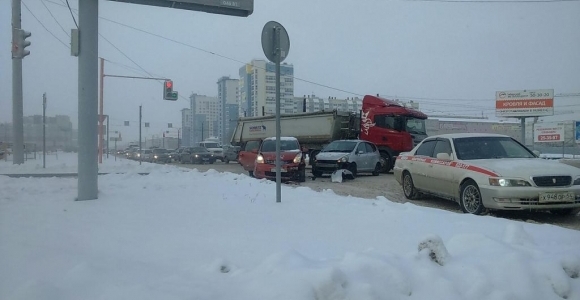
(258, 89)
(59, 133)
(311, 103)
(204, 117)
(228, 93)
(186, 126)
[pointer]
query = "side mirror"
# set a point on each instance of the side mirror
(443, 156)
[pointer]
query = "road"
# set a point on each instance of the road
(371, 187)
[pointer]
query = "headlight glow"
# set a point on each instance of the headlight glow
(508, 182)
(155, 156)
(343, 159)
(196, 155)
(259, 159)
(298, 158)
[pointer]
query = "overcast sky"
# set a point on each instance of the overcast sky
(450, 57)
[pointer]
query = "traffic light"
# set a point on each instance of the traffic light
(19, 42)
(168, 93)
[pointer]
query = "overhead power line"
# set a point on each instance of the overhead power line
(41, 24)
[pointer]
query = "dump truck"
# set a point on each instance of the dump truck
(392, 127)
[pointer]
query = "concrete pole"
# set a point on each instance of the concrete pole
(88, 99)
(17, 105)
(140, 148)
(102, 76)
(278, 160)
(523, 125)
(44, 131)
(108, 136)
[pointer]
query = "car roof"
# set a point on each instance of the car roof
(352, 141)
(465, 135)
(282, 138)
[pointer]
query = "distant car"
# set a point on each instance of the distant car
(488, 171)
(160, 155)
(230, 153)
(144, 155)
(357, 156)
(199, 155)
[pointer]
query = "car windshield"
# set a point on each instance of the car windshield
(416, 126)
(490, 148)
(209, 145)
(159, 151)
(285, 145)
(199, 149)
(340, 146)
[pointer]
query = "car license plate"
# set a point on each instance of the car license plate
(557, 197)
(282, 170)
(205, 158)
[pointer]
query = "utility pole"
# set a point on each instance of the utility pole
(88, 90)
(17, 105)
(140, 116)
(102, 76)
(44, 131)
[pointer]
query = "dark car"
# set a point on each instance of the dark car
(197, 155)
(230, 153)
(160, 155)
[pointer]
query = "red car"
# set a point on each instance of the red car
(293, 167)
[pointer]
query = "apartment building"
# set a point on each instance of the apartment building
(204, 111)
(228, 93)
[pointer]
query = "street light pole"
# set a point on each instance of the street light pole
(44, 131)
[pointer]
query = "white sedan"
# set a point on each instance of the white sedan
(488, 171)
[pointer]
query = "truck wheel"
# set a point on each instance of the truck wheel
(386, 162)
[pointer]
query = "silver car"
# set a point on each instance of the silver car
(356, 156)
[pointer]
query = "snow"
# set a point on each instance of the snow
(183, 234)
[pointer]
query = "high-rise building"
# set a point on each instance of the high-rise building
(186, 121)
(258, 89)
(204, 117)
(228, 93)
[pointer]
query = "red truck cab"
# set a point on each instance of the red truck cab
(391, 126)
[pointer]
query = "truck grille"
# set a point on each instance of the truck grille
(552, 180)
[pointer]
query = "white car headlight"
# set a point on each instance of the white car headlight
(577, 181)
(196, 155)
(343, 159)
(155, 156)
(508, 182)
(260, 159)
(298, 158)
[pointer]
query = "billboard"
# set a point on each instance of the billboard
(524, 103)
(548, 133)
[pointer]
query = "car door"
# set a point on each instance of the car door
(419, 164)
(373, 156)
(248, 154)
(361, 157)
(441, 173)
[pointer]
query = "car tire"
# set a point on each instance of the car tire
(470, 198)
(377, 169)
(565, 211)
(226, 161)
(353, 169)
(409, 189)
(251, 173)
(386, 162)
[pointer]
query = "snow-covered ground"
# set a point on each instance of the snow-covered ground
(182, 234)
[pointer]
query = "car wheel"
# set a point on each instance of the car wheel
(211, 162)
(565, 211)
(386, 162)
(470, 198)
(251, 173)
(353, 169)
(409, 189)
(377, 169)
(226, 161)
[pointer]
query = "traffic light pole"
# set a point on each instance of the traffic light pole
(17, 105)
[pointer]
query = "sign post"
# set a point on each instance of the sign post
(276, 44)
